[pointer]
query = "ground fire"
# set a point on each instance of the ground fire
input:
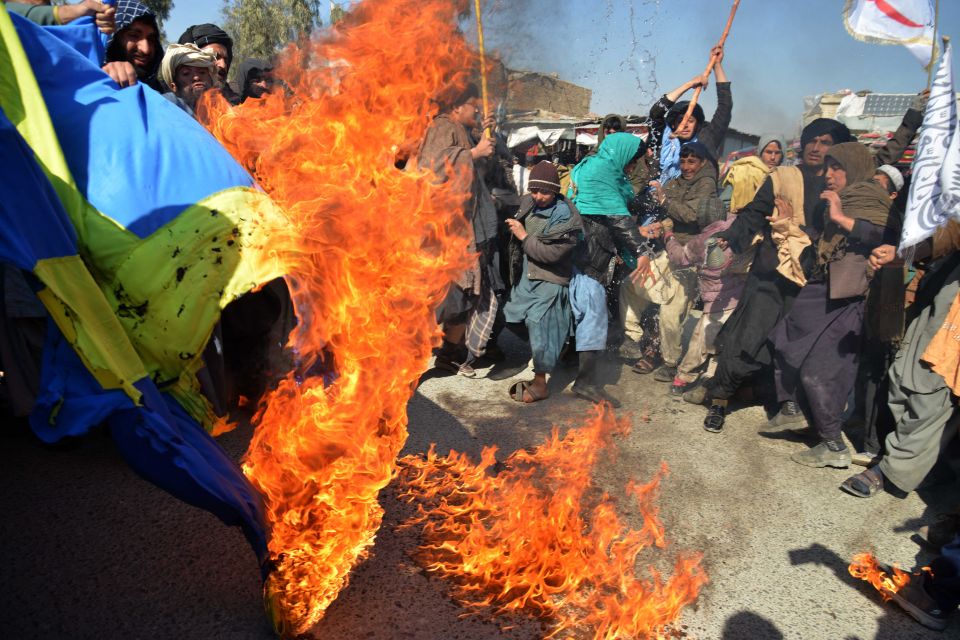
(539, 537)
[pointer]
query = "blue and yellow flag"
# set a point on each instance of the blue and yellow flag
(139, 226)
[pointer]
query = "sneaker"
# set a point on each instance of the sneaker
(696, 394)
(715, 418)
(790, 418)
(630, 350)
(466, 371)
(942, 532)
(494, 353)
(679, 387)
(914, 599)
(594, 394)
(821, 456)
(665, 373)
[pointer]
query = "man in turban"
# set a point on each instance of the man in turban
(188, 72)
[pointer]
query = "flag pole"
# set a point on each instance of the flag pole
(933, 43)
(485, 96)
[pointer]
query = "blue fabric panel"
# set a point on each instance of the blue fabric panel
(71, 401)
(158, 440)
(33, 224)
(135, 156)
(83, 36)
(588, 299)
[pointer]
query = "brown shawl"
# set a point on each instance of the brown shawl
(862, 198)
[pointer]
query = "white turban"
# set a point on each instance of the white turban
(178, 55)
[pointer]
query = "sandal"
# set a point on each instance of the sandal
(646, 364)
(865, 484)
(520, 391)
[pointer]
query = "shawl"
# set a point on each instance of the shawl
(670, 155)
(767, 138)
(745, 177)
(943, 351)
(445, 150)
(786, 233)
(862, 198)
(864, 201)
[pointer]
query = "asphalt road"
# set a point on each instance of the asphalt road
(92, 551)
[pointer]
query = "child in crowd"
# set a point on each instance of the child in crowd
(545, 233)
(721, 276)
(691, 204)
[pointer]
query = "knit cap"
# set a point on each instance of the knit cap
(544, 176)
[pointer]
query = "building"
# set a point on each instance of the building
(532, 91)
(737, 141)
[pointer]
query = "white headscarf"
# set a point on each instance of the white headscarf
(178, 55)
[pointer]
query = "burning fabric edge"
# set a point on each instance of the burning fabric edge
(539, 538)
(886, 580)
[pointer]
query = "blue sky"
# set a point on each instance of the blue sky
(629, 53)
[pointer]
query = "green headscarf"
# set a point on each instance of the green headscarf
(598, 186)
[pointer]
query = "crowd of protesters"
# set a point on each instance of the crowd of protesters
(775, 282)
(794, 270)
(200, 60)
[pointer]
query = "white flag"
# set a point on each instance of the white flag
(906, 22)
(935, 185)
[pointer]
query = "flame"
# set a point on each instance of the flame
(369, 251)
(866, 567)
(540, 538)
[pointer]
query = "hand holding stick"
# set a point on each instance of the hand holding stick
(714, 58)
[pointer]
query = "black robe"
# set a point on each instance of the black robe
(743, 344)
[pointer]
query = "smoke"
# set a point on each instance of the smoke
(576, 41)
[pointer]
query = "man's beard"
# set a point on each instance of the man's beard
(191, 95)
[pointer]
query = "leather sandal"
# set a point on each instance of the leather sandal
(865, 484)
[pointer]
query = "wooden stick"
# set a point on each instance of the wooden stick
(706, 73)
(485, 96)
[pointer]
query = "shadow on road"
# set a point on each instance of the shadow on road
(747, 624)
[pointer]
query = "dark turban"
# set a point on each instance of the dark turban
(204, 34)
(837, 130)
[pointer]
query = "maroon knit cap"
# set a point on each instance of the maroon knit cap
(544, 176)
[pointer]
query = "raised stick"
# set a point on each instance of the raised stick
(483, 67)
(713, 61)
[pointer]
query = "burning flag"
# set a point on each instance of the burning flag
(539, 538)
(135, 264)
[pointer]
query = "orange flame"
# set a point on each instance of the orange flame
(866, 567)
(540, 538)
(368, 250)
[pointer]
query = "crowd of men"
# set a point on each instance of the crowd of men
(789, 276)
(198, 62)
(770, 282)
